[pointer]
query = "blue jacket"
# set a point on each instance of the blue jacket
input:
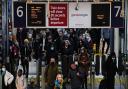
(105, 33)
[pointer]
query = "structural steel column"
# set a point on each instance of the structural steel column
(126, 41)
(116, 42)
(126, 25)
(4, 26)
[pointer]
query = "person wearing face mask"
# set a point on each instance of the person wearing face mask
(110, 70)
(6, 77)
(50, 74)
(20, 81)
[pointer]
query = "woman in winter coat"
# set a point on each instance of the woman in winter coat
(83, 67)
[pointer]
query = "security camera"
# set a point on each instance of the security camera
(77, 8)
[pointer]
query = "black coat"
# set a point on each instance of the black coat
(51, 49)
(67, 51)
(28, 51)
(38, 48)
(110, 67)
(95, 35)
(75, 80)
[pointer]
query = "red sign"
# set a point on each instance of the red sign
(58, 15)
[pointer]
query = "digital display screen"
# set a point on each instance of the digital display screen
(36, 15)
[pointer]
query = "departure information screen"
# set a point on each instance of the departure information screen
(36, 15)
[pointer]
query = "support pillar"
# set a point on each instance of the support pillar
(116, 42)
(126, 43)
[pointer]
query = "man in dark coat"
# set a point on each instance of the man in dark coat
(51, 49)
(26, 56)
(111, 69)
(74, 77)
(67, 57)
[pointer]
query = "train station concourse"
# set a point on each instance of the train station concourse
(63, 44)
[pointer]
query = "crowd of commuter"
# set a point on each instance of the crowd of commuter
(32, 44)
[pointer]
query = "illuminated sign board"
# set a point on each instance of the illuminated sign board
(19, 11)
(36, 16)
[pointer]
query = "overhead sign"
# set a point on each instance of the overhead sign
(58, 15)
(117, 19)
(36, 15)
(62, 15)
(80, 15)
(19, 14)
(100, 16)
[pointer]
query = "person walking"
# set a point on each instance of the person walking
(20, 81)
(26, 56)
(83, 67)
(50, 74)
(74, 77)
(6, 77)
(110, 71)
(67, 57)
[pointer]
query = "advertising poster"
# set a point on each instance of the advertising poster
(80, 15)
(100, 15)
